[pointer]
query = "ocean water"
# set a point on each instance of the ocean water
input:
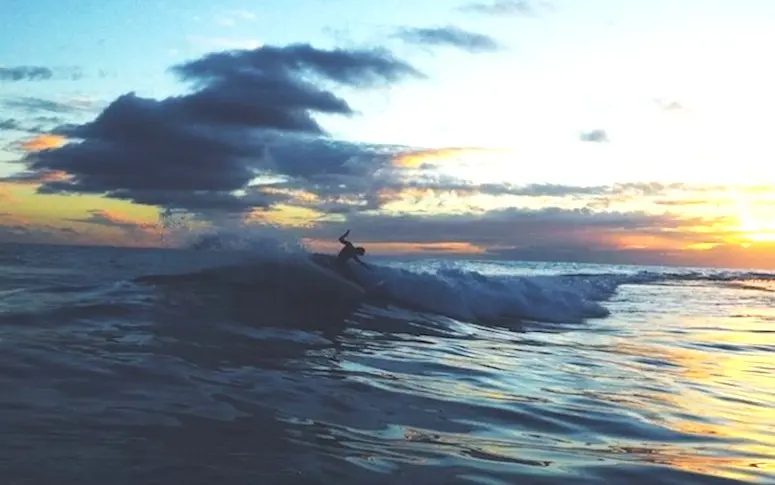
(127, 366)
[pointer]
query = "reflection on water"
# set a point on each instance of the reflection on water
(708, 376)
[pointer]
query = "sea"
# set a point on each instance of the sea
(259, 366)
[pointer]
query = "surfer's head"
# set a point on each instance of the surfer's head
(360, 251)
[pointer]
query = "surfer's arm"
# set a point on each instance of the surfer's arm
(343, 236)
(361, 262)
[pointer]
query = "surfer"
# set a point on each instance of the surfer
(349, 252)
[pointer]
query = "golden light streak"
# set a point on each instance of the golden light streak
(284, 215)
(302, 196)
(436, 156)
(702, 246)
(42, 142)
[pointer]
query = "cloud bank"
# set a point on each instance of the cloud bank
(501, 7)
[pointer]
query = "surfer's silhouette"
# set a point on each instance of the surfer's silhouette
(349, 252)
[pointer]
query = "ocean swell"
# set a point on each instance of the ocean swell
(300, 281)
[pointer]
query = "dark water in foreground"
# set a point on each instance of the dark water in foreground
(264, 372)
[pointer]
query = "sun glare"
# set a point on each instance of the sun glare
(755, 219)
(756, 228)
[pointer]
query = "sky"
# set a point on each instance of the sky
(603, 130)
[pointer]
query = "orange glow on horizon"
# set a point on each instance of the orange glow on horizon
(736, 233)
(645, 241)
(394, 248)
(5, 194)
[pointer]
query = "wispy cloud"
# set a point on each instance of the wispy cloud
(502, 7)
(38, 73)
(451, 37)
(39, 116)
(25, 73)
(595, 136)
(223, 43)
(669, 105)
(31, 104)
(230, 18)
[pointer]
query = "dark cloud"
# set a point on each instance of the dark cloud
(38, 73)
(194, 151)
(25, 73)
(449, 36)
(501, 7)
(594, 136)
(287, 64)
(7, 231)
(11, 125)
(46, 234)
(270, 87)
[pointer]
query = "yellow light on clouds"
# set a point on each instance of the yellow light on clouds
(42, 142)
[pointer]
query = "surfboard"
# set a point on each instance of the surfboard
(334, 279)
(328, 262)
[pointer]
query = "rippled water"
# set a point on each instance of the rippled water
(112, 376)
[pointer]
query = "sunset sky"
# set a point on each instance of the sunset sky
(598, 130)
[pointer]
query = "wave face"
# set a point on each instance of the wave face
(440, 289)
(463, 295)
(244, 361)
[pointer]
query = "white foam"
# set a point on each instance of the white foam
(263, 240)
(468, 295)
